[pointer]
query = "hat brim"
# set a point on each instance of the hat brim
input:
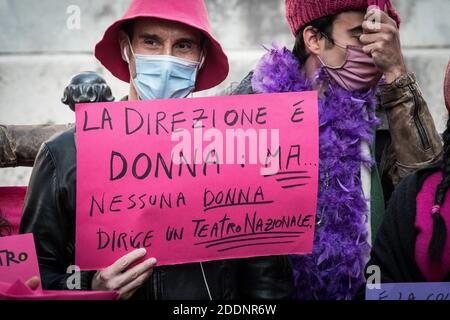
(214, 71)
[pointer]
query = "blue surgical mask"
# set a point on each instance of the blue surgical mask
(164, 77)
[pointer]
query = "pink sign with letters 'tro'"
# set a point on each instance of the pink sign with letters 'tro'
(196, 179)
(18, 260)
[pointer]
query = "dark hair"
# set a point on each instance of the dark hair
(128, 27)
(5, 226)
(324, 27)
(439, 236)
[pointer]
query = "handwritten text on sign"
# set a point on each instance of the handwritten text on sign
(196, 179)
(18, 260)
(410, 291)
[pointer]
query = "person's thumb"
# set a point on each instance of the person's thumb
(33, 283)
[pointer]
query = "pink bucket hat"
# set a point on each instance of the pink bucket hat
(301, 12)
(192, 13)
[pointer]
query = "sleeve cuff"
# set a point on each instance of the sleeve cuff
(391, 94)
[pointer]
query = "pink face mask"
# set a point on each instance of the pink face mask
(358, 72)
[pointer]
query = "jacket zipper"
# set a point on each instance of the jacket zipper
(155, 284)
(422, 133)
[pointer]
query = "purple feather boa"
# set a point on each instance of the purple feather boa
(335, 269)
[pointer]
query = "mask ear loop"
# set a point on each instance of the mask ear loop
(337, 45)
(334, 41)
(127, 59)
(200, 65)
(125, 53)
(202, 59)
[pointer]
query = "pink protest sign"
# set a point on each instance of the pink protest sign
(18, 260)
(20, 291)
(11, 205)
(196, 179)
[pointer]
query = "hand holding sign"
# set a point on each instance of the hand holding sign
(122, 278)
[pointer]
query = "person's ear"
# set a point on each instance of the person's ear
(124, 46)
(313, 40)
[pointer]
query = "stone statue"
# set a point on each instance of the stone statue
(86, 87)
(19, 144)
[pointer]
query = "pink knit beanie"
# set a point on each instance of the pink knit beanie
(301, 12)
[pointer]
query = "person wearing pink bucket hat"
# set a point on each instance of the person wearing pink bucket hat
(155, 37)
(374, 129)
(175, 34)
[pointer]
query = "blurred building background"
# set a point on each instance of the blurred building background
(41, 47)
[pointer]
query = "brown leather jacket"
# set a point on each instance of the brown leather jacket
(413, 142)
